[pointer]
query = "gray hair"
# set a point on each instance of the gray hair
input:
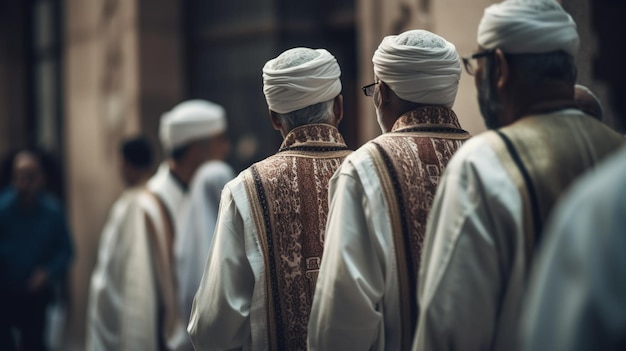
(536, 68)
(318, 113)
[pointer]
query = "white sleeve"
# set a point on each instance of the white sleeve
(346, 312)
(220, 316)
(138, 315)
(462, 276)
(197, 225)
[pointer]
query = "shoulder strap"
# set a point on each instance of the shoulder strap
(258, 208)
(530, 186)
(163, 259)
(168, 224)
(406, 276)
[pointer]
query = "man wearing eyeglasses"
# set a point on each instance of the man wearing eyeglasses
(500, 187)
(380, 198)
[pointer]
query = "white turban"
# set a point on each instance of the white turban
(290, 84)
(528, 27)
(189, 121)
(419, 66)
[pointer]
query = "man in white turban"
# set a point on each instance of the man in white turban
(147, 314)
(260, 276)
(577, 293)
(499, 189)
(381, 196)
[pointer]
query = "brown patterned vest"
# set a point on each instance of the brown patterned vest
(409, 162)
(289, 201)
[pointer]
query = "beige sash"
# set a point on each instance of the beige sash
(163, 258)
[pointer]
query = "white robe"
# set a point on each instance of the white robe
(231, 309)
(125, 297)
(349, 318)
(474, 258)
(120, 274)
(478, 246)
(361, 299)
(240, 269)
(577, 294)
(196, 227)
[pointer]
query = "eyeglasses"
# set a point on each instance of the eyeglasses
(368, 90)
(470, 65)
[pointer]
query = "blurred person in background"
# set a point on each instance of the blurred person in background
(260, 276)
(107, 290)
(577, 295)
(197, 220)
(381, 195)
(35, 254)
(149, 314)
(500, 187)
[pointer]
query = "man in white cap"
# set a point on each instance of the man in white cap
(148, 313)
(381, 196)
(499, 189)
(260, 276)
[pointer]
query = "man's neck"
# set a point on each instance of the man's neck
(181, 173)
(547, 98)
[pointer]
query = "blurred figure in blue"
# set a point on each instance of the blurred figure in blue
(35, 254)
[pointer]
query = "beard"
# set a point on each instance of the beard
(488, 101)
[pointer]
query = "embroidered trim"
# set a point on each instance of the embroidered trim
(277, 315)
(404, 260)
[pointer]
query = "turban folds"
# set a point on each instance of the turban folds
(419, 66)
(189, 121)
(293, 88)
(528, 27)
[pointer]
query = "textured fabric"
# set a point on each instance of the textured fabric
(379, 201)
(577, 292)
(307, 84)
(260, 276)
(122, 255)
(419, 66)
(483, 226)
(196, 227)
(528, 27)
(191, 120)
(131, 293)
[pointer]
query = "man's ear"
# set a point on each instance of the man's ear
(501, 69)
(383, 92)
(338, 109)
(275, 120)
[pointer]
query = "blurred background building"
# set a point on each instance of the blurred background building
(77, 76)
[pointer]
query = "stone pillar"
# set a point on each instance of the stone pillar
(375, 20)
(122, 70)
(458, 23)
